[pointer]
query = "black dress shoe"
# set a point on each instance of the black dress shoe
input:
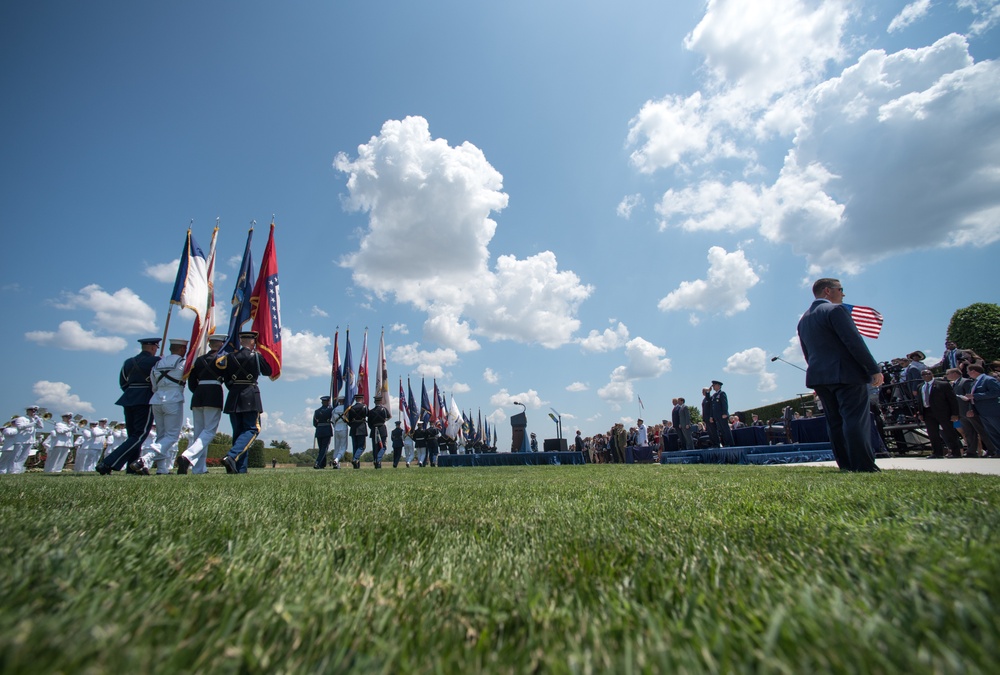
(138, 467)
(230, 464)
(183, 464)
(104, 469)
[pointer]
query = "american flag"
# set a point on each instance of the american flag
(868, 320)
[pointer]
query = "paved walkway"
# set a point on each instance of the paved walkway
(974, 465)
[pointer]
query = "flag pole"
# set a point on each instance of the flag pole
(170, 308)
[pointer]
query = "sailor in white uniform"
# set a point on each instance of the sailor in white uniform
(167, 404)
(59, 443)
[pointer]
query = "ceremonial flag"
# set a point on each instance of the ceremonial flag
(363, 369)
(466, 426)
(494, 435)
(436, 406)
(350, 384)
(382, 376)
(336, 378)
(266, 301)
(241, 300)
(479, 431)
(425, 403)
(411, 404)
(204, 320)
(868, 320)
(404, 411)
(454, 419)
(640, 402)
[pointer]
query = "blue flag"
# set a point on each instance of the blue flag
(411, 405)
(425, 403)
(350, 381)
(241, 300)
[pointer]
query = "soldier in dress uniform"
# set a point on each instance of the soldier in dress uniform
(340, 432)
(357, 420)
(397, 444)
(60, 442)
(136, 392)
(89, 451)
(720, 414)
(323, 423)
(420, 443)
(167, 403)
(205, 384)
(240, 372)
(433, 434)
(377, 417)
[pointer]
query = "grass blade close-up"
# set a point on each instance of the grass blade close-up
(555, 569)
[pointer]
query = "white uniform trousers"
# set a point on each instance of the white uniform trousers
(56, 458)
(20, 455)
(408, 448)
(168, 418)
(87, 457)
(341, 439)
(206, 424)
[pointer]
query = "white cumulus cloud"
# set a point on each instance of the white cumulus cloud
(754, 362)
(490, 376)
(120, 312)
(56, 397)
(909, 14)
(72, 336)
(410, 184)
(164, 272)
(611, 339)
(425, 363)
(577, 387)
(529, 398)
(730, 277)
(304, 355)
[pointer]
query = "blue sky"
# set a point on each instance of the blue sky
(572, 205)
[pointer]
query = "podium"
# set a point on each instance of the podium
(554, 445)
(518, 423)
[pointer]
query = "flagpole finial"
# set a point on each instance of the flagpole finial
(191, 223)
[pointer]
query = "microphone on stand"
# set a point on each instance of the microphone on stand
(778, 358)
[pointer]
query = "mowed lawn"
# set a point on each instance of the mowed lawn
(520, 569)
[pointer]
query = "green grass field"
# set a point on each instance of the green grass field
(550, 569)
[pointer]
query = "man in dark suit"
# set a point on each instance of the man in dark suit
(939, 411)
(706, 416)
(240, 371)
(972, 426)
(323, 423)
(683, 425)
(137, 390)
(839, 369)
(985, 397)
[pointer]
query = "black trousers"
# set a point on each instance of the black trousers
(323, 442)
(138, 422)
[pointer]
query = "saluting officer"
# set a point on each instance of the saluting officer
(720, 414)
(357, 420)
(240, 372)
(136, 392)
(323, 423)
(205, 385)
(377, 417)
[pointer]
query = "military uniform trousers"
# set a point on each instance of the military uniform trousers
(246, 427)
(205, 421)
(168, 417)
(138, 422)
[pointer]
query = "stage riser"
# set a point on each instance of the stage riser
(758, 454)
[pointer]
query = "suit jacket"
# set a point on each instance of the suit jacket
(986, 396)
(134, 379)
(675, 415)
(834, 349)
(943, 403)
(963, 387)
(720, 407)
(683, 417)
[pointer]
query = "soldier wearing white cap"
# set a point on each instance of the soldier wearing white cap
(134, 380)
(7, 449)
(340, 432)
(167, 403)
(205, 384)
(23, 440)
(90, 449)
(59, 443)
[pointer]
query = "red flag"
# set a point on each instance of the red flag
(363, 370)
(266, 309)
(336, 379)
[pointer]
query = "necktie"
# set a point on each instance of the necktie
(927, 395)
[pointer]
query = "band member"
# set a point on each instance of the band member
(136, 392)
(59, 443)
(240, 372)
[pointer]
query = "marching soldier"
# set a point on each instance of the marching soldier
(89, 451)
(136, 392)
(340, 432)
(206, 407)
(323, 423)
(357, 420)
(240, 372)
(397, 445)
(167, 403)
(433, 434)
(377, 417)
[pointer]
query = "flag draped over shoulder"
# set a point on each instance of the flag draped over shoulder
(266, 301)
(382, 374)
(350, 382)
(204, 320)
(868, 320)
(336, 378)
(363, 370)
(241, 299)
